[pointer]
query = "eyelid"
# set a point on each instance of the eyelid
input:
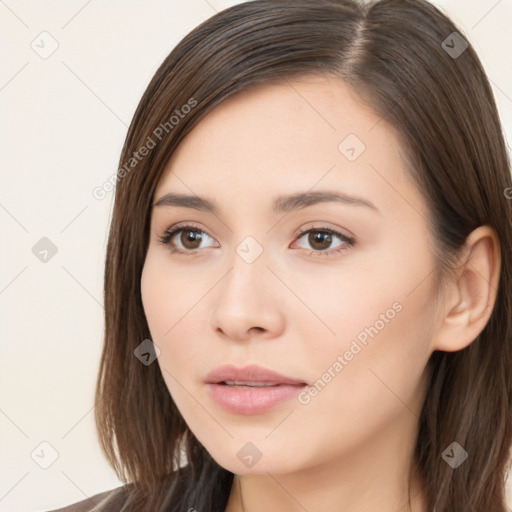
(322, 226)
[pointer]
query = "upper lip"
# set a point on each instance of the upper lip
(250, 373)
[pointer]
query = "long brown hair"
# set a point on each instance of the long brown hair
(398, 56)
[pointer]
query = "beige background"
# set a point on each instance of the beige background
(63, 122)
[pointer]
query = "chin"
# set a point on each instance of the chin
(241, 464)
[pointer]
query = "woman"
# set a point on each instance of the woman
(243, 372)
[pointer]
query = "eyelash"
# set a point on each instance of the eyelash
(348, 242)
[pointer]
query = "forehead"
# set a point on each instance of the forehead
(287, 136)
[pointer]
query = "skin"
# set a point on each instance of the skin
(349, 448)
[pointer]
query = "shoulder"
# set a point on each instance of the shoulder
(120, 498)
(114, 498)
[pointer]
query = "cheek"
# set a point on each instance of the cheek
(164, 295)
(362, 388)
(166, 318)
(372, 370)
(381, 299)
(171, 302)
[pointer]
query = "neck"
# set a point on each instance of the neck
(371, 480)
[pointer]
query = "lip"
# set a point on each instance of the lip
(250, 373)
(247, 401)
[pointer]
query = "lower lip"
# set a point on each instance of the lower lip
(254, 400)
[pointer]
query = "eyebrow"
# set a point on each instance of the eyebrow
(282, 204)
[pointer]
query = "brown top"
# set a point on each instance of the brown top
(108, 501)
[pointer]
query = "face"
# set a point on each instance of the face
(336, 294)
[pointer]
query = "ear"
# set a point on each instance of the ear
(469, 299)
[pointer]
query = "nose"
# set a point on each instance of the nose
(249, 301)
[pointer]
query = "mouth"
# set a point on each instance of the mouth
(250, 385)
(250, 390)
(251, 375)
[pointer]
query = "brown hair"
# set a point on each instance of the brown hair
(394, 53)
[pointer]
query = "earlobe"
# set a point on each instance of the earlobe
(469, 299)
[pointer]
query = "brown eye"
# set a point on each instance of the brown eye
(184, 239)
(190, 238)
(319, 240)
